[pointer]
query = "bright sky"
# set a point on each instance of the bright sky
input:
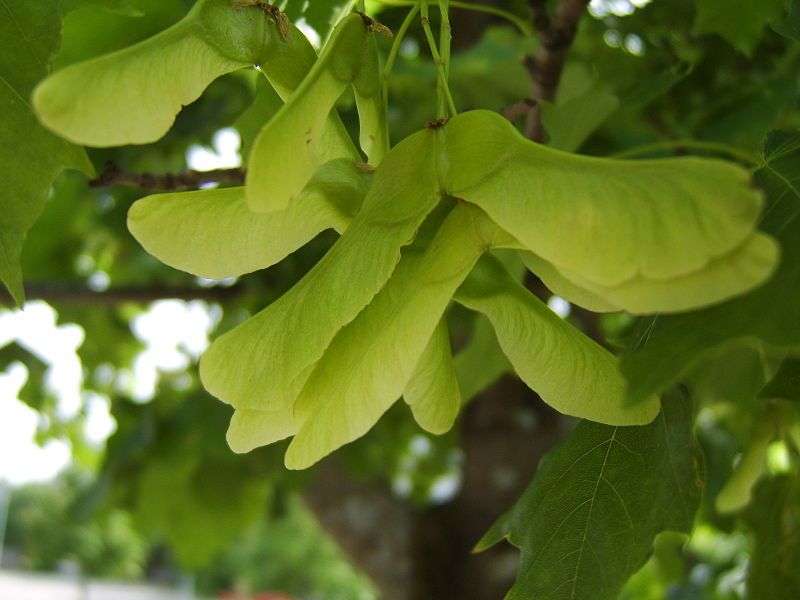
(173, 332)
(619, 8)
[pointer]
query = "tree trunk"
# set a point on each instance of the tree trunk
(413, 554)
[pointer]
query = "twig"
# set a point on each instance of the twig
(540, 20)
(519, 109)
(519, 23)
(75, 293)
(556, 34)
(187, 180)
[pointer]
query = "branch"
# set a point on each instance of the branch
(76, 293)
(188, 180)
(556, 35)
(540, 20)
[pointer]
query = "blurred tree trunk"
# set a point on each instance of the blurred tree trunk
(413, 554)
(427, 554)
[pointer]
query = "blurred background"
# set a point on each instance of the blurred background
(113, 461)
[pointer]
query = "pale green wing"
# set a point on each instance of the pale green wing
(250, 429)
(481, 362)
(132, 96)
(295, 142)
(255, 364)
(369, 363)
(738, 490)
(285, 63)
(368, 92)
(568, 370)
(560, 285)
(212, 233)
(432, 391)
(605, 220)
(746, 267)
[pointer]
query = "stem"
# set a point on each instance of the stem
(390, 60)
(445, 37)
(520, 24)
(362, 6)
(168, 182)
(442, 88)
(695, 144)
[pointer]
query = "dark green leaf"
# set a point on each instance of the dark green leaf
(31, 156)
(588, 520)
(481, 362)
(775, 518)
(322, 15)
(265, 104)
(770, 313)
(791, 26)
(786, 383)
(741, 24)
(33, 392)
(582, 105)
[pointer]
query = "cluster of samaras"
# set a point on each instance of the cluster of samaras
(367, 325)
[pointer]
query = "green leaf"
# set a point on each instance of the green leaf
(774, 516)
(294, 143)
(199, 511)
(736, 493)
(213, 233)
(31, 156)
(111, 30)
(588, 520)
(770, 313)
(250, 429)
(323, 15)
(132, 96)
(561, 286)
(786, 382)
(582, 105)
(790, 28)
(632, 224)
(369, 363)
(432, 391)
(568, 370)
(739, 271)
(255, 364)
(741, 25)
(266, 104)
(368, 91)
(481, 362)
(34, 393)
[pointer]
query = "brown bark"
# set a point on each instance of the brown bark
(413, 554)
(556, 34)
(166, 182)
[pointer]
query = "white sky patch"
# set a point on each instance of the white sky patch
(619, 8)
(559, 306)
(174, 333)
(35, 328)
(308, 31)
(445, 488)
(21, 459)
(99, 422)
(225, 154)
